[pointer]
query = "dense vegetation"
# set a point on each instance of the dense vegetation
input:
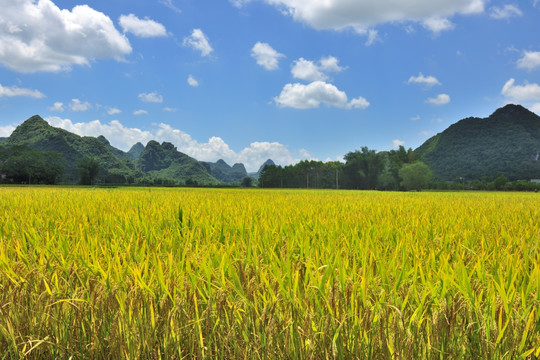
(268, 274)
(153, 164)
(506, 143)
(472, 153)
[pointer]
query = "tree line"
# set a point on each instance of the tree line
(363, 169)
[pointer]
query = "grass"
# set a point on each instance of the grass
(268, 274)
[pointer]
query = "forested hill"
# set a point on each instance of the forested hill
(153, 164)
(506, 143)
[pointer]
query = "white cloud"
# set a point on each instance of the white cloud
(308, 70)
(199, 41)
(216, 148)
(397, 143)
(152, 97)
(113, 111)
(526, 92)
(239, 3)
(530, 60)
(426, 133)
(358, 103)
(535, 108)
(266, 56)
(438, 24)
(140, 112)
(428, 81)
(144, 28)
(39, 36)
(373, 37)
(11, 91)
(507, 11)
(77, 105)
(169, 109)
(340, 14)
(57, 106)
(441, 99)
(416, 118)
(192, 81)
(5, 131)
(300, 96)
(170, 5)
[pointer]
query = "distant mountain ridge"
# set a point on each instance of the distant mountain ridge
(505, 143)
(223, 172)
(158, 163)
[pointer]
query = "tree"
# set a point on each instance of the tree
(363, 168)
(415, 176)
(500, 182)
(88, 170)
(20, 164)
(247, 181)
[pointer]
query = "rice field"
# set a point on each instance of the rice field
(268, 274)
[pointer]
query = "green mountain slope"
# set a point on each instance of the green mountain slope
(37, 134)
(117, 152)
(136, 150)
(223, 172)
(165, 161)
(506, 143)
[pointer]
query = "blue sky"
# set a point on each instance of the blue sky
(247, 80)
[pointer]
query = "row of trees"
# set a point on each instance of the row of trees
(363, 169)
(20, 164)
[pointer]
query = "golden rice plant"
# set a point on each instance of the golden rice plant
(268, 274)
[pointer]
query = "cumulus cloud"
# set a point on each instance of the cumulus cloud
(78, 105)
(57, 106)
(11, 91)
(199, 41)
(300, 96)
(438, 24)
(526, 92)
(216, 148)
(266, 56)
(192, 81)
(397, 143)
(315, 71)
(428, 81)
(39, 36)
(5, 131)
(441, 99)
(113, 111)
(505, 12)
(140, 112)
(152, 97)
(145, 28)
(340, 14)
(530, 60)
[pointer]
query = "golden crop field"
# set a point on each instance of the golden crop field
(268, 274)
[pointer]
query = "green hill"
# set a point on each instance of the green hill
(155, 163)
(166, 162)
(223, 172)
(506, 143)
(37, 134)
(136, 150)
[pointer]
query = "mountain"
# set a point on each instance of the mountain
(37, 134)
(155, 163)
(223, 172)
(165, 161)
(117, 152)
(267, 162)
(505, 143)
(136, 150)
